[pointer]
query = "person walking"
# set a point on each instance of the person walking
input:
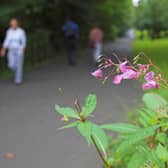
(15, 43)
(96, 40)
(71, 34)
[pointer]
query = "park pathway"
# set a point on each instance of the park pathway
(28, 123)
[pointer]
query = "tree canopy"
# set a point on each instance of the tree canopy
(114, 17)
(152, 15)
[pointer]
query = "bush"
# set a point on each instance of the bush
(143, 144)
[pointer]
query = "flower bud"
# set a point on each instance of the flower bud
(65, 119)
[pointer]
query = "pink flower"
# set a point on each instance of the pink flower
(150, 82)
(123, 66)
(108, 63)
(130, 74)
(143, 68)
(149, 76)
(117, 79)
(98, 74)
(127, 73)
(150, 85)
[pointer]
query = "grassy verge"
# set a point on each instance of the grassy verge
(157, 50)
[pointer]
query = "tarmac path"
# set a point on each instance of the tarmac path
(28, 123)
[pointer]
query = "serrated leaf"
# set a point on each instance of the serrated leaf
(143, 122)
(151, 157)
(161, 137)
(71, 125)
(141, 134)
(100, 138)
(67, 111)
(85, 129)
(154, 101)
(89, 105)
(121, 127)
(162, 153)
(149, 112)
(137, 160)
(145, 117)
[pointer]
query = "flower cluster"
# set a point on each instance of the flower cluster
(126, 70)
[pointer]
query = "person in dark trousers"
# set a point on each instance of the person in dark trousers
(71, 34)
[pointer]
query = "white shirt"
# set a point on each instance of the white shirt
(15, 39)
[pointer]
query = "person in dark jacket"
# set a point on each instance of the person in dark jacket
(71, 34)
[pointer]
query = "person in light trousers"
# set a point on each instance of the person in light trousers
(96, 42)
(15, 43)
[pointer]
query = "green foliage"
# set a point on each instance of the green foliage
(162, 153)
(157, 50)
(121, 128)
(85, 129)
(154, 102)
(114, 17)
(70, 125)
(66, 111)
(152, 15)
(89, 105)
(100, 137)
(144, 145)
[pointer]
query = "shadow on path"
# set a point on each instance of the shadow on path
(28, 123)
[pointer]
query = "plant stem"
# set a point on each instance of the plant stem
(100, 154)
(166, 165)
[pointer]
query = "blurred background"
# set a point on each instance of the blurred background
(42, 20)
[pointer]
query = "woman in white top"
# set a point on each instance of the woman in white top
(15, 43)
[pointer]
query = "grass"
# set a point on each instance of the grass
(157, 50)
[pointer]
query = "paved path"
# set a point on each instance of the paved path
(28, 123)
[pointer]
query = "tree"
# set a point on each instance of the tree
(119, 16)
(114, 17)
(152, 15)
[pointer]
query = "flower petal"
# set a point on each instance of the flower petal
(130, 74)
(98, 74)
(117, 79)
(123, 66)
(149, 76)
(149, 85)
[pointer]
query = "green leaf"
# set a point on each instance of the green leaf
(89, 105)
(100, 138)
(137, 160)
(154, 101)
(151, 157)
(85, 129)
(143, 122)
(71, 125)
(162, 153)
(121, 127)
(141, 134)
(161, 137)
(67, 111)
(88, 130)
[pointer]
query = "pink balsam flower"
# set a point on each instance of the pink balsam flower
(98, 74)
(130, 74)
(117, 79)
(127, 73)
(149, 76)
(143, 68)
(150, 85)
(108, 63)
(150, 81)
(123, 66)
